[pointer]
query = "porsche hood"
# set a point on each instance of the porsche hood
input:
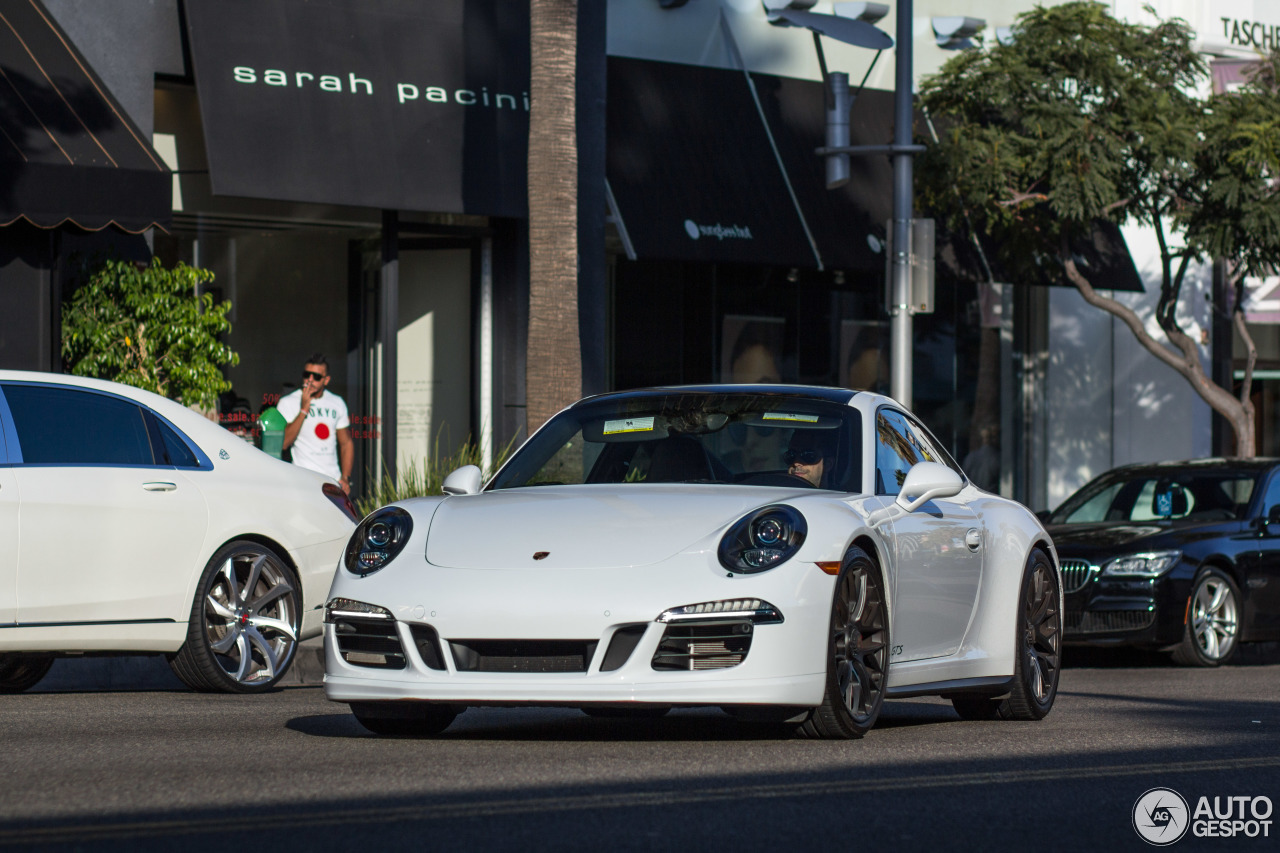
(585, 527)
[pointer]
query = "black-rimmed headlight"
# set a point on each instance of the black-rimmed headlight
(766, 538)
(378, 539)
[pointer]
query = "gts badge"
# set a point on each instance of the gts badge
(895, 651)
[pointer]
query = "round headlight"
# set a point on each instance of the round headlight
(378, 539)
(766, 538)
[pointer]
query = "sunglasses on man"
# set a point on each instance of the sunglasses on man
(311, 374)
(804, 457)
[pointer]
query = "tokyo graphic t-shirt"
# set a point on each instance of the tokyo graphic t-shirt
(316, 446)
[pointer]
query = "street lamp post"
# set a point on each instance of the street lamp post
(858, 30)
(900, 329)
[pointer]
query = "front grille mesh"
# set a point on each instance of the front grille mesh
(699, 646)
(523, 655)
(1103, 621)
(1075, 574)
(369, 642)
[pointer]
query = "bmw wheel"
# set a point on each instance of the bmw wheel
(1037, 651)
(1213, 621)
(407, 719)
(857, 653)
(243, 631)
(19, 672)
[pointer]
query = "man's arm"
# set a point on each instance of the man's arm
(294, 426)
(346, 456)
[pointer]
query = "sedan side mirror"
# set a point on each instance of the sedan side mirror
(464, 481)
(926, 481)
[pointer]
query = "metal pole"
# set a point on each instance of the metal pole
(900, 309)
(389, 326)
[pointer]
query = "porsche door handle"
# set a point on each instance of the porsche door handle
(160, 487)
(973, 539)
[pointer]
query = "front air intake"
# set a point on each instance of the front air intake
(523, 655)
(369, 642)
(701, 646)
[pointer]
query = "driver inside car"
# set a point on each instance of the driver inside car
(808, 455)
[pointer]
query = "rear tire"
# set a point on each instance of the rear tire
(21, 671)
(404, 719)
(857, 653)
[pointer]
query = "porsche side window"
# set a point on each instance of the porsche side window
(71, 427)
(898, 447)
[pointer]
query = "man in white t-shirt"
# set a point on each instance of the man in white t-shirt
(318, 431)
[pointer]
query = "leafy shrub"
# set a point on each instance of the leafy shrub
(421, 479)
(144, 326)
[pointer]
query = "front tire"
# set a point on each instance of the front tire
(1213, 621)
(19, 672)
(244, 624)
(857, 653)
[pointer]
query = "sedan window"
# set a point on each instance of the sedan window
(71, 427)
(1197, 495)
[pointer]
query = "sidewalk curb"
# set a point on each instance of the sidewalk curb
(152, 672)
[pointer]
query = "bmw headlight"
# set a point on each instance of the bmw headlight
(378, 539)
(1141, 565)
(766, 538)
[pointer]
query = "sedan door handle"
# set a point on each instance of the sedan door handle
(159, 487)
(973, 539)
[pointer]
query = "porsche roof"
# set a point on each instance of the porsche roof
(807, 392)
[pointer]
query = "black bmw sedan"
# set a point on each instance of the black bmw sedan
(1182, 557)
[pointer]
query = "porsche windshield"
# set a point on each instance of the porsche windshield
(1188, 495)
(731, 439)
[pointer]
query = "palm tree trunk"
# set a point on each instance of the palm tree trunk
(553, 371)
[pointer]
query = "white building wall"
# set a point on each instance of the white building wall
(692, 34)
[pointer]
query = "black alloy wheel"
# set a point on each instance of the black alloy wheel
(21, 671)
(1213, 621)
(857, 653)
(405, 719)
(1037, 651)
(245, 619)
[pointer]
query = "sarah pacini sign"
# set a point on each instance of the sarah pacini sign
(376, 103)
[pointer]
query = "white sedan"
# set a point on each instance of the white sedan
(130, 524)
(785, 553)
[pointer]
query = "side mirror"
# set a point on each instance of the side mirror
(1272, 517)
(926, 481)
(1044, 515)
(464, 481)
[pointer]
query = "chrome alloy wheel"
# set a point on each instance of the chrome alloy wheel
(251, 618)
(859, 647)
(1214, 620)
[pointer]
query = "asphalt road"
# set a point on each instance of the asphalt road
(169, 769)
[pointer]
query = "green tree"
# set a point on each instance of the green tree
(1082, 118)
(145, 326)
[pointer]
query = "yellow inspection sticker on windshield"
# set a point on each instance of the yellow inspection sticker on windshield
(628, 425)
(783, 416)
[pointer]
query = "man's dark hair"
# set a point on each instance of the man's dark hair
(318, 358)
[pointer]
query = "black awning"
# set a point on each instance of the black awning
(377, 103)
(69, 152)
(692, 170)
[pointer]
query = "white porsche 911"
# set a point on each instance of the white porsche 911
(786, 553)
